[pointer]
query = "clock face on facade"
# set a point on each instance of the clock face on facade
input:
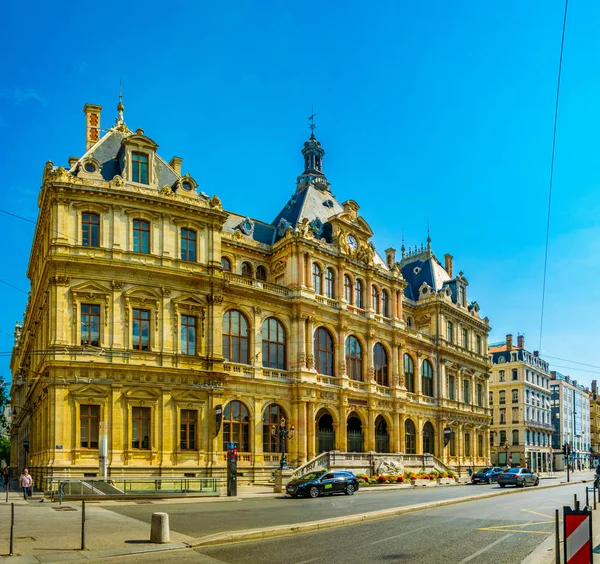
(352, 242)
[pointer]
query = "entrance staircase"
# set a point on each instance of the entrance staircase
(370, 462)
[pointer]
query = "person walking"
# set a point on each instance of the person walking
(26, 482)
(6, 477)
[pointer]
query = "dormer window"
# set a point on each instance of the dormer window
(139, 168)
(90, 167)
(461, 296)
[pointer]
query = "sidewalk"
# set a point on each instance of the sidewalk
(49, 532)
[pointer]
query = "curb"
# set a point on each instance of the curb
(309, 526)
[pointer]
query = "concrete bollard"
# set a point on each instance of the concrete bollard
(159, 530)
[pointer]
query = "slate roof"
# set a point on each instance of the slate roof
(262, 232)
(424, 267)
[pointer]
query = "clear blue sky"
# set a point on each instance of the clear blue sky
(438, 112)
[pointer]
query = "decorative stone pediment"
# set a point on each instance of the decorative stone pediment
(90, 290)
(189, 396)
(141, 394)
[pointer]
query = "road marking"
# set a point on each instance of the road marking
(485, 549)
(400, 535)
(506, 528)
(307, 561)
(550, 518)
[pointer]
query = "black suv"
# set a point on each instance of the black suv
(323, 482)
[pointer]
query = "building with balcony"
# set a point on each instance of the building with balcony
(168, 327)
(594, 424)
(521, 430)
(571, 421)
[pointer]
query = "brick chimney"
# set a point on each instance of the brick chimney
(594, 386)
(508, 342)
(92, 124)
(448, 264)
(536, 353)
(175, 164)
(521, 341)
(73, 161)
(390, 257)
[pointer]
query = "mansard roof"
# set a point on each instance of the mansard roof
(423, 268)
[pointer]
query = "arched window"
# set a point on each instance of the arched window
(359, 295)
(317, 278)
(261, 273)
(410, 437)
(380, 362)
(247, 269)
(225, 264)
(271, 416)
(330, 283)
(354, 358)
(427, 378)
(385, 303)
(409, 322)
(90, 229)
(348, 288)
(409, 373)
(236, 345)
(273, 344)
(375, 298)
(323, 345)
(236, 426)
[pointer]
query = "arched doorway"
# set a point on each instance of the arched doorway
(325, 432)
(382, 439)
(355, 434)
(428, 439)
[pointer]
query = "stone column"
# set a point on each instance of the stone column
(309, 336)
(311, 428)
(256, 342)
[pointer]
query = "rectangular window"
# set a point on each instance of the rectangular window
(503, 416)
(90, 229)
(89, 416)
(480, 395)
(466, 392)
(478, 344)
(465, 339)
(189, 422)
(140, 428)
(501, 396)
(139, 168)
(515, 374)
(491, 398)
(515, 414)
(141, 330)
(141, 236)
(188, 245)
(188, 334)
(461, 295)
(449, 332)
(479, 446)
(90, 325)
(451, 394)
(467, 444)
(501, 376)
(515, 396)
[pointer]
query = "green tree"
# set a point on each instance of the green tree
(5, 449)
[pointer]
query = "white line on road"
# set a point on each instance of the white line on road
(485, 549)
(400, 535)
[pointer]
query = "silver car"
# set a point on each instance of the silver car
(518, 477)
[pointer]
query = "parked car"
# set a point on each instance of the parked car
(519, 477)
(486, 475)
(323, 482)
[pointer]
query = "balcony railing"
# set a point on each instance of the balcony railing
(258, 284)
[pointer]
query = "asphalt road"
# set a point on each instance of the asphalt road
(502, 529)
(203, 519)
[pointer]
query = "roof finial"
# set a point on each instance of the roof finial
(403, 248)
(120, 107)
(428, 237)
(312, 125)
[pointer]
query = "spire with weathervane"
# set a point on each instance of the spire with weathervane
(313, 161)
(119, 121)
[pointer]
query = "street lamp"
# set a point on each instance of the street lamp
(283, 433)
(506, 451)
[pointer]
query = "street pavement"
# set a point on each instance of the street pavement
(47, 532)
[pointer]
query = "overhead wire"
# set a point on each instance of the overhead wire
(562, 46)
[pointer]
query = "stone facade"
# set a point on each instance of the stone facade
(152, 310)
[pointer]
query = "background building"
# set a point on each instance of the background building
(176, 327)
(594, 424)
(521, 431)
(571, 420)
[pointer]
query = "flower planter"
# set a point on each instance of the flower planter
(445, 480)
(420, 482)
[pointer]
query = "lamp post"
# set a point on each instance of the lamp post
(283, 433)
(506, 452)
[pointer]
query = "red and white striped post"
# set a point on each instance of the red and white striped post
(578, 536)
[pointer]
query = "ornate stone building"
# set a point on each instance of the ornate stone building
(153, 310)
